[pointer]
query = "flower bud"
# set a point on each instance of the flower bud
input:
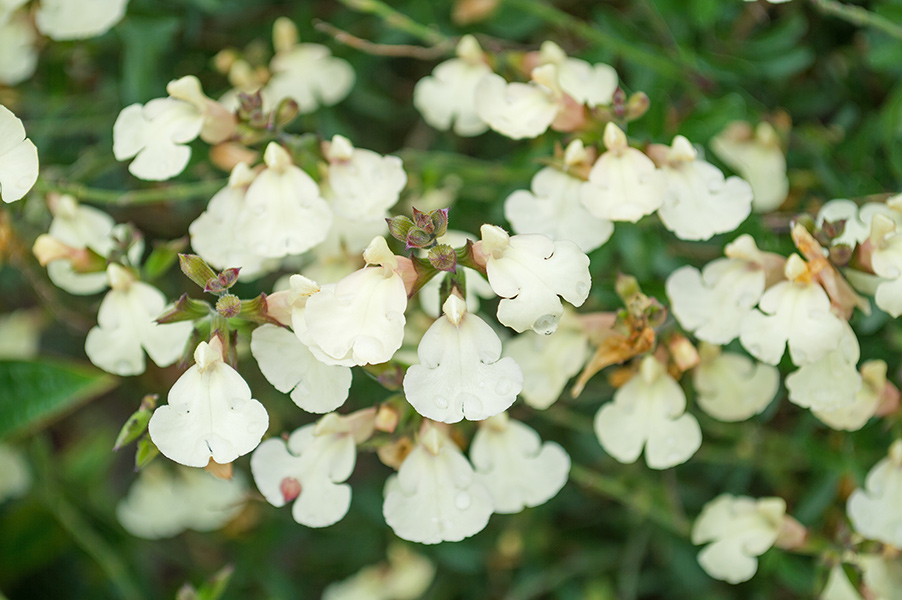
(387, 418)
(636, 106)
(196, 269)
(439, 221)
(443, 257)
(418, 238)
(399, 226)
(285, 112)
(222, 281)
(228, 306)
(423, 220)
(255, 310)
(136, 424)
(219, 470)
(185, 309)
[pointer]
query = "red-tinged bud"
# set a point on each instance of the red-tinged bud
(399, 226)
(185, 309)
(618, 103)
(228, 306)
(443, 257)
(439, 219)
(249, 105)
(222, 281)
(417, 238)
(422, 220)
(290, 488)
(286, 112)
(636, 106)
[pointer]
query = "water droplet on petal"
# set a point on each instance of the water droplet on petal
(462, 501)
(123, 366)
(503, 387)
(546, 324)
(582, 289)
(440, 402)
(470, 404)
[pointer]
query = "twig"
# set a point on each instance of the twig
(858, 15)
(419, 52)
(396, 20)
(182, 191)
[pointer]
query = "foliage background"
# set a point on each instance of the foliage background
(615, 531)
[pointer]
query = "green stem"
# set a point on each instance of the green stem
(396, 20)
(550, 14)
(859, 16)
(634, 500)
(181, 191)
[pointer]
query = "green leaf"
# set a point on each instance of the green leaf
(147, 451)
(36, 392)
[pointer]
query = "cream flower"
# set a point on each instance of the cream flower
(286, 214)
(361, 184)
(529, 272)
(624, 184)
(515, 466)
(461, 373)
(306, 73)
(360, 319)
(157, 134)
(549, 361)
(588, 84)
(15, 476)
(160, 505)
(832, 381)
(882, 575)
(20, 334)
(435, 496)
(406, 576)
(794, 313)
(757, 157)
(739, 530)
(886, 260)
(217, 235)
(312, 467)
(875, 512)
(126, 327)
(210, 413)
(553, 208)
(700, 202)
(290, 367)
(477, 286)
(520, 110)
(78, 19)
(852, 417)
(448, 96)
(712, 304)
(857, 219)
(8, 7)
(732, 387)
(18, 48)
(649, 412)
(18, 158)
(838, 586)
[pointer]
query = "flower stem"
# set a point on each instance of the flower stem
(396, 20)
(858, 15)
(181, 191)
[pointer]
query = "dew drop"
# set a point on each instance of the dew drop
(503, 387)
(440, 402)
(486, 358)
(462, 501)
(582, 289)
(123, 366)
(893, 273)
(469, 403)
(546, 324)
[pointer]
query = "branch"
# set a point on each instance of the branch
(181, 191)
(419, 52)
(396, 20)
(858, 15)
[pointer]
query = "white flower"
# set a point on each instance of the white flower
(549, 361)
(161, 505)
(217, 235)
(312, 467)
(20, 334)
(852, 417)
(553, 208)
(8, 7)
(529, 272)
(882, 576)
(448, 96)
(406, 576)
(649, 411)
(435, 496)
(624, 184)
(700, 202)
(285, 213)
(875, 512)
(361, 184)
(740, 529)
(78, 19)
(18, 158)
(832, 381)
(520, 110)
(886, 260)
(757, 157)
(515, 466)
(461, 373)
(732, 387)
(15, 476)
(290, 367)
(857, 220)
(18, 50)
(796, 313)
(157, 134)
(126, 327)
(210, 413)
(588, 84)
(306, 73)
(838, 586)
(360, 319)
(712, 304)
